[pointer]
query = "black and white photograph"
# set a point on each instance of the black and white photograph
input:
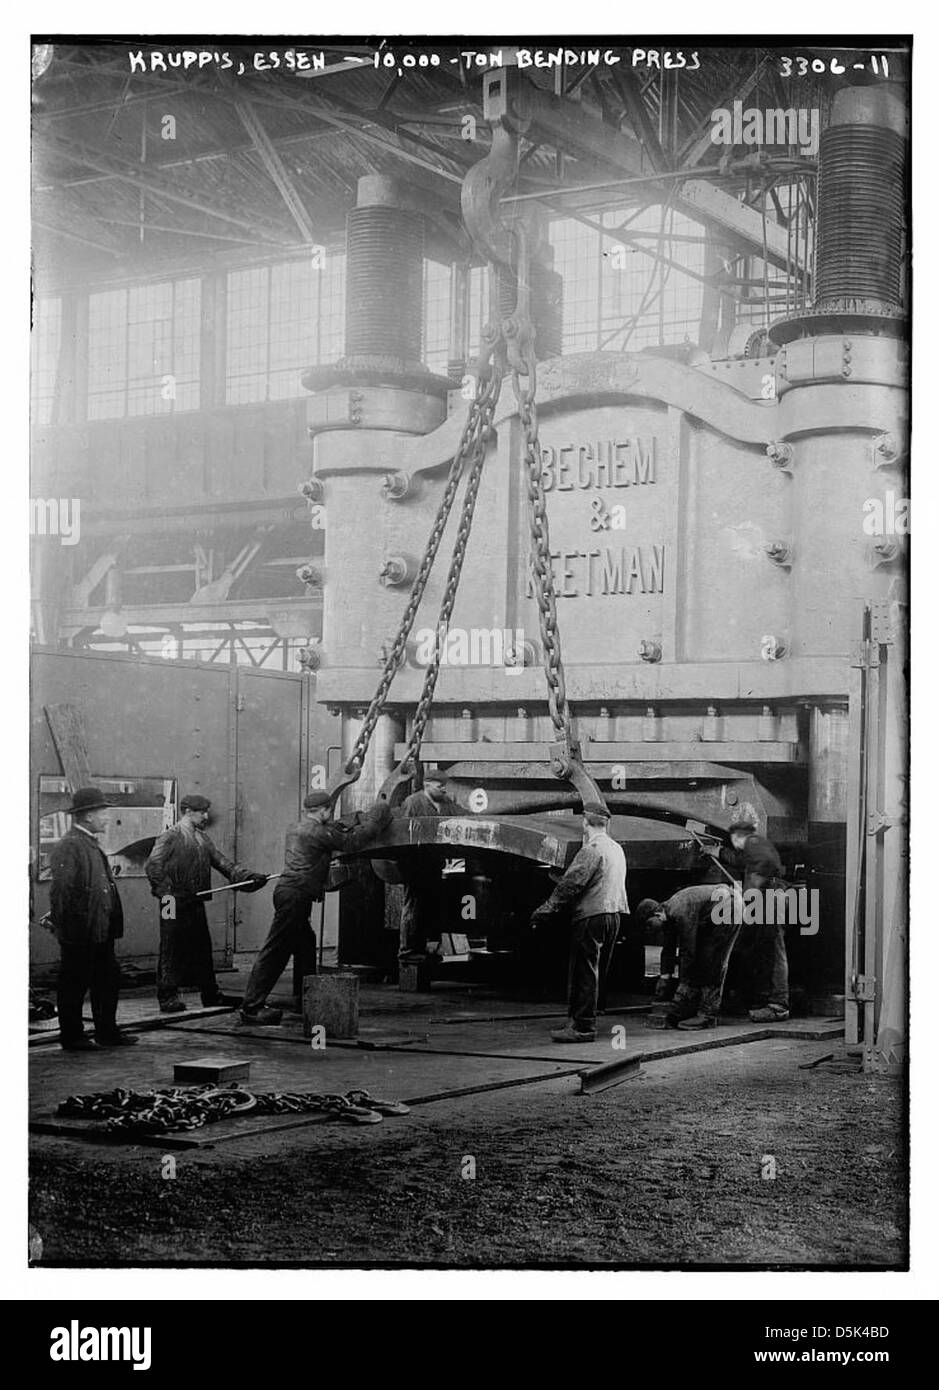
(469, 524)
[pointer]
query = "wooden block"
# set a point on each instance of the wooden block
(414, 977)
(212, 1069)
(331, 1002)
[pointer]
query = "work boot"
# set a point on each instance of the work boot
(771, 1013)
(570, 1034)
(80, 1045)
(173, 1006)
(691, 1025)
(116, 1040)
(262, 1016)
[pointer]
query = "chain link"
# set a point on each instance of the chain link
(542, 571)
(472, 449)
(190, 1107)
(478, 450)
(472, 446)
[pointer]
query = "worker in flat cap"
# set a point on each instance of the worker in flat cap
(308, 850)
(755, 863)
(698, 935)
(86, 915)
(420, 899)
(179, 868)
(594, 888)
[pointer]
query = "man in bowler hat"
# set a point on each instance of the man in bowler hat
(87, 918)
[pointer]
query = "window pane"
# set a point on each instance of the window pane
(45, 345)
(143, 349)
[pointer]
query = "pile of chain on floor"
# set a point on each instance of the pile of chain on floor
(190, 1107)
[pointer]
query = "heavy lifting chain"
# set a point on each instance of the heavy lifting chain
(542, 572)
(510, 346)
(487, 399)
(471, 449)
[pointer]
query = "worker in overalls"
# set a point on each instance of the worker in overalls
(421, 895)
(308, 850)
(180, 867)
(594, 888)
(755, 863)
(699, 927)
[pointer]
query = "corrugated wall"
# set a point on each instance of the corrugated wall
(247, 739)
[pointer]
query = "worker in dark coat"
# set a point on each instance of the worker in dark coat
(86, 915)
(699, 927)
(420, 900)
(755, 863)
(180, 866)
(594, 887)
(308, 850)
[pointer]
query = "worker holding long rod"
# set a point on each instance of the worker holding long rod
(180, 870)
(309, 847)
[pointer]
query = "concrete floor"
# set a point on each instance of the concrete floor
(417, 1047)
(666, 1168)
(745, 1155)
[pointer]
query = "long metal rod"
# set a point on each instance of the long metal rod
(230, 887)
(614, 183)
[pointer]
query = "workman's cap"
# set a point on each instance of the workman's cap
(315, 800)
(195, 802)
(596, 808)
(88, 799)
(745, 826)
(646, 909)
(436, 774)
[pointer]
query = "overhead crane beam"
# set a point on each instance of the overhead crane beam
(540, 115)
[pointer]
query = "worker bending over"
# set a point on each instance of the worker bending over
(693, 930)
(308, 849)
(594, 888)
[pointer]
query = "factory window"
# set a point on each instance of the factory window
(478, 307)
(143, 349)
(436, 316)
(281, 319)
(45, 345)
(620, 290)
(619, 294)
